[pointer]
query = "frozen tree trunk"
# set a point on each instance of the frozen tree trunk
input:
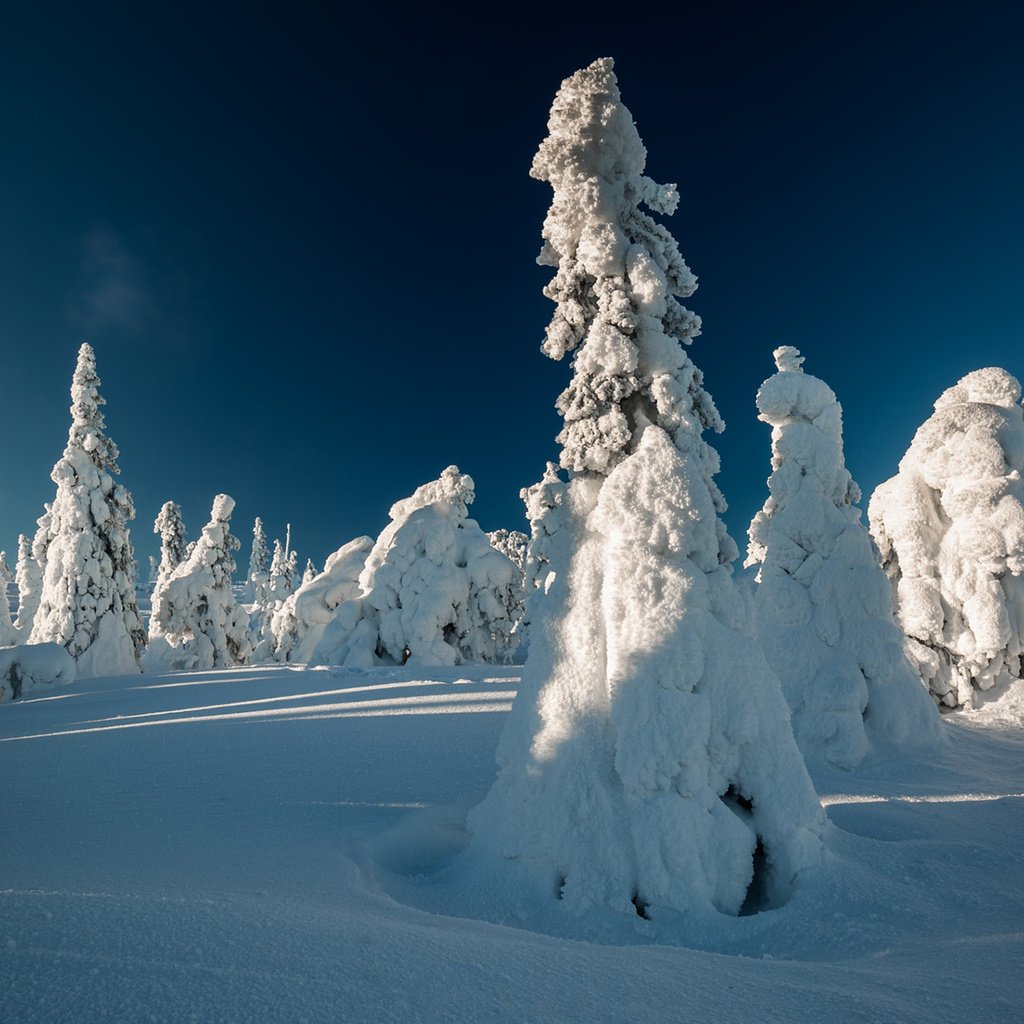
(87, 602)
(950, 529)
(823, 605)
(648, 760)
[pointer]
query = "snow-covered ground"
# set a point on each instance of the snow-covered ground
(263, 845)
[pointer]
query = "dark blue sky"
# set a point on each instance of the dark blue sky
(301, 241)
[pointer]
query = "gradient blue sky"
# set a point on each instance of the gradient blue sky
(302, 244)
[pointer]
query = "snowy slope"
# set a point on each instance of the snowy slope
(256, 845)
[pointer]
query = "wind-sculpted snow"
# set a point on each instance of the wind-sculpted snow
(196, 622)
(823, 606)
(648, 763)
(30, 667)
(433, 591)
(87, 602)
(950, 528)
(8, 632)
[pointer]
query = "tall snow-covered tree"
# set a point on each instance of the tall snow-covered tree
(432, 591)
(278, 588)
(823, 605)
(648, 759)
(171, 528)
(258, 579)
(30, 582)
(196, 622)
(950, 529)
(87, 602)
(8, 634)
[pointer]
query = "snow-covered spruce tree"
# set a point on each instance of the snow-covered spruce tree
(278, 588)
(8, 634)
(30, 583)
(171, 528)
(823, 605)
(950, 528)
(299, 623)
(434, 591)
(310, 572)
(258, 579)
(648, 761)
(196, 622)
(87, 602)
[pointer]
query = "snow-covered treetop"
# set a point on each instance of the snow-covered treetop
(618, 276)
(86, 418)
(788, 359)
(171, 528)
(453, 487)
(989, 386)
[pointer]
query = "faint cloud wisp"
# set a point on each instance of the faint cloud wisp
(111, 292)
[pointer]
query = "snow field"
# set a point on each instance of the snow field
(175, 854)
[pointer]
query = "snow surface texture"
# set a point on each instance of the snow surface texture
(950, 529)
(261, 846)
(823, 606)
(196, 622)
(648, 763)
(32, 667)
(299, 623)
(433, 590)
(88, 601)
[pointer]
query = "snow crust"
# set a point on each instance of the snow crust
(648, 764)
(950, 529)
(823, 605)
(196, 622)
(433, 591)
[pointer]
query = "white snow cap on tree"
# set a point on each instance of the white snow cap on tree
(171, 528)
(299, 623)
(823, 606)
(648, 759)
(196, 622)
(434, 590)
(8, 634)
(950, 528)
(87, 602)
(30, 582)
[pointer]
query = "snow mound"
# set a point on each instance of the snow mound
(32, 667)
(950, 529)
(823, 606)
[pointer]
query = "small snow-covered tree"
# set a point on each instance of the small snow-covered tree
(258, 579)
(648, 758)
(434, 591)
(512, 544)
(196, 622)
(8, 634)
(30, 582)
(950, 529)
(291, 571)
(171, 528)
(278, 588)
(310, 571)
(299, 623)
(88, 602)
(823, 605)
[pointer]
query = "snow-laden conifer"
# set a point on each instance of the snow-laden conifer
(171, 528)
(258, 578)
(950, 528)
(434, 591)
(87, 602)
(278, 586)
(30, 582)
(648, 759)
(299, 623)
(823, 605)
(310, 572)
(8, 634)
(196, 622)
